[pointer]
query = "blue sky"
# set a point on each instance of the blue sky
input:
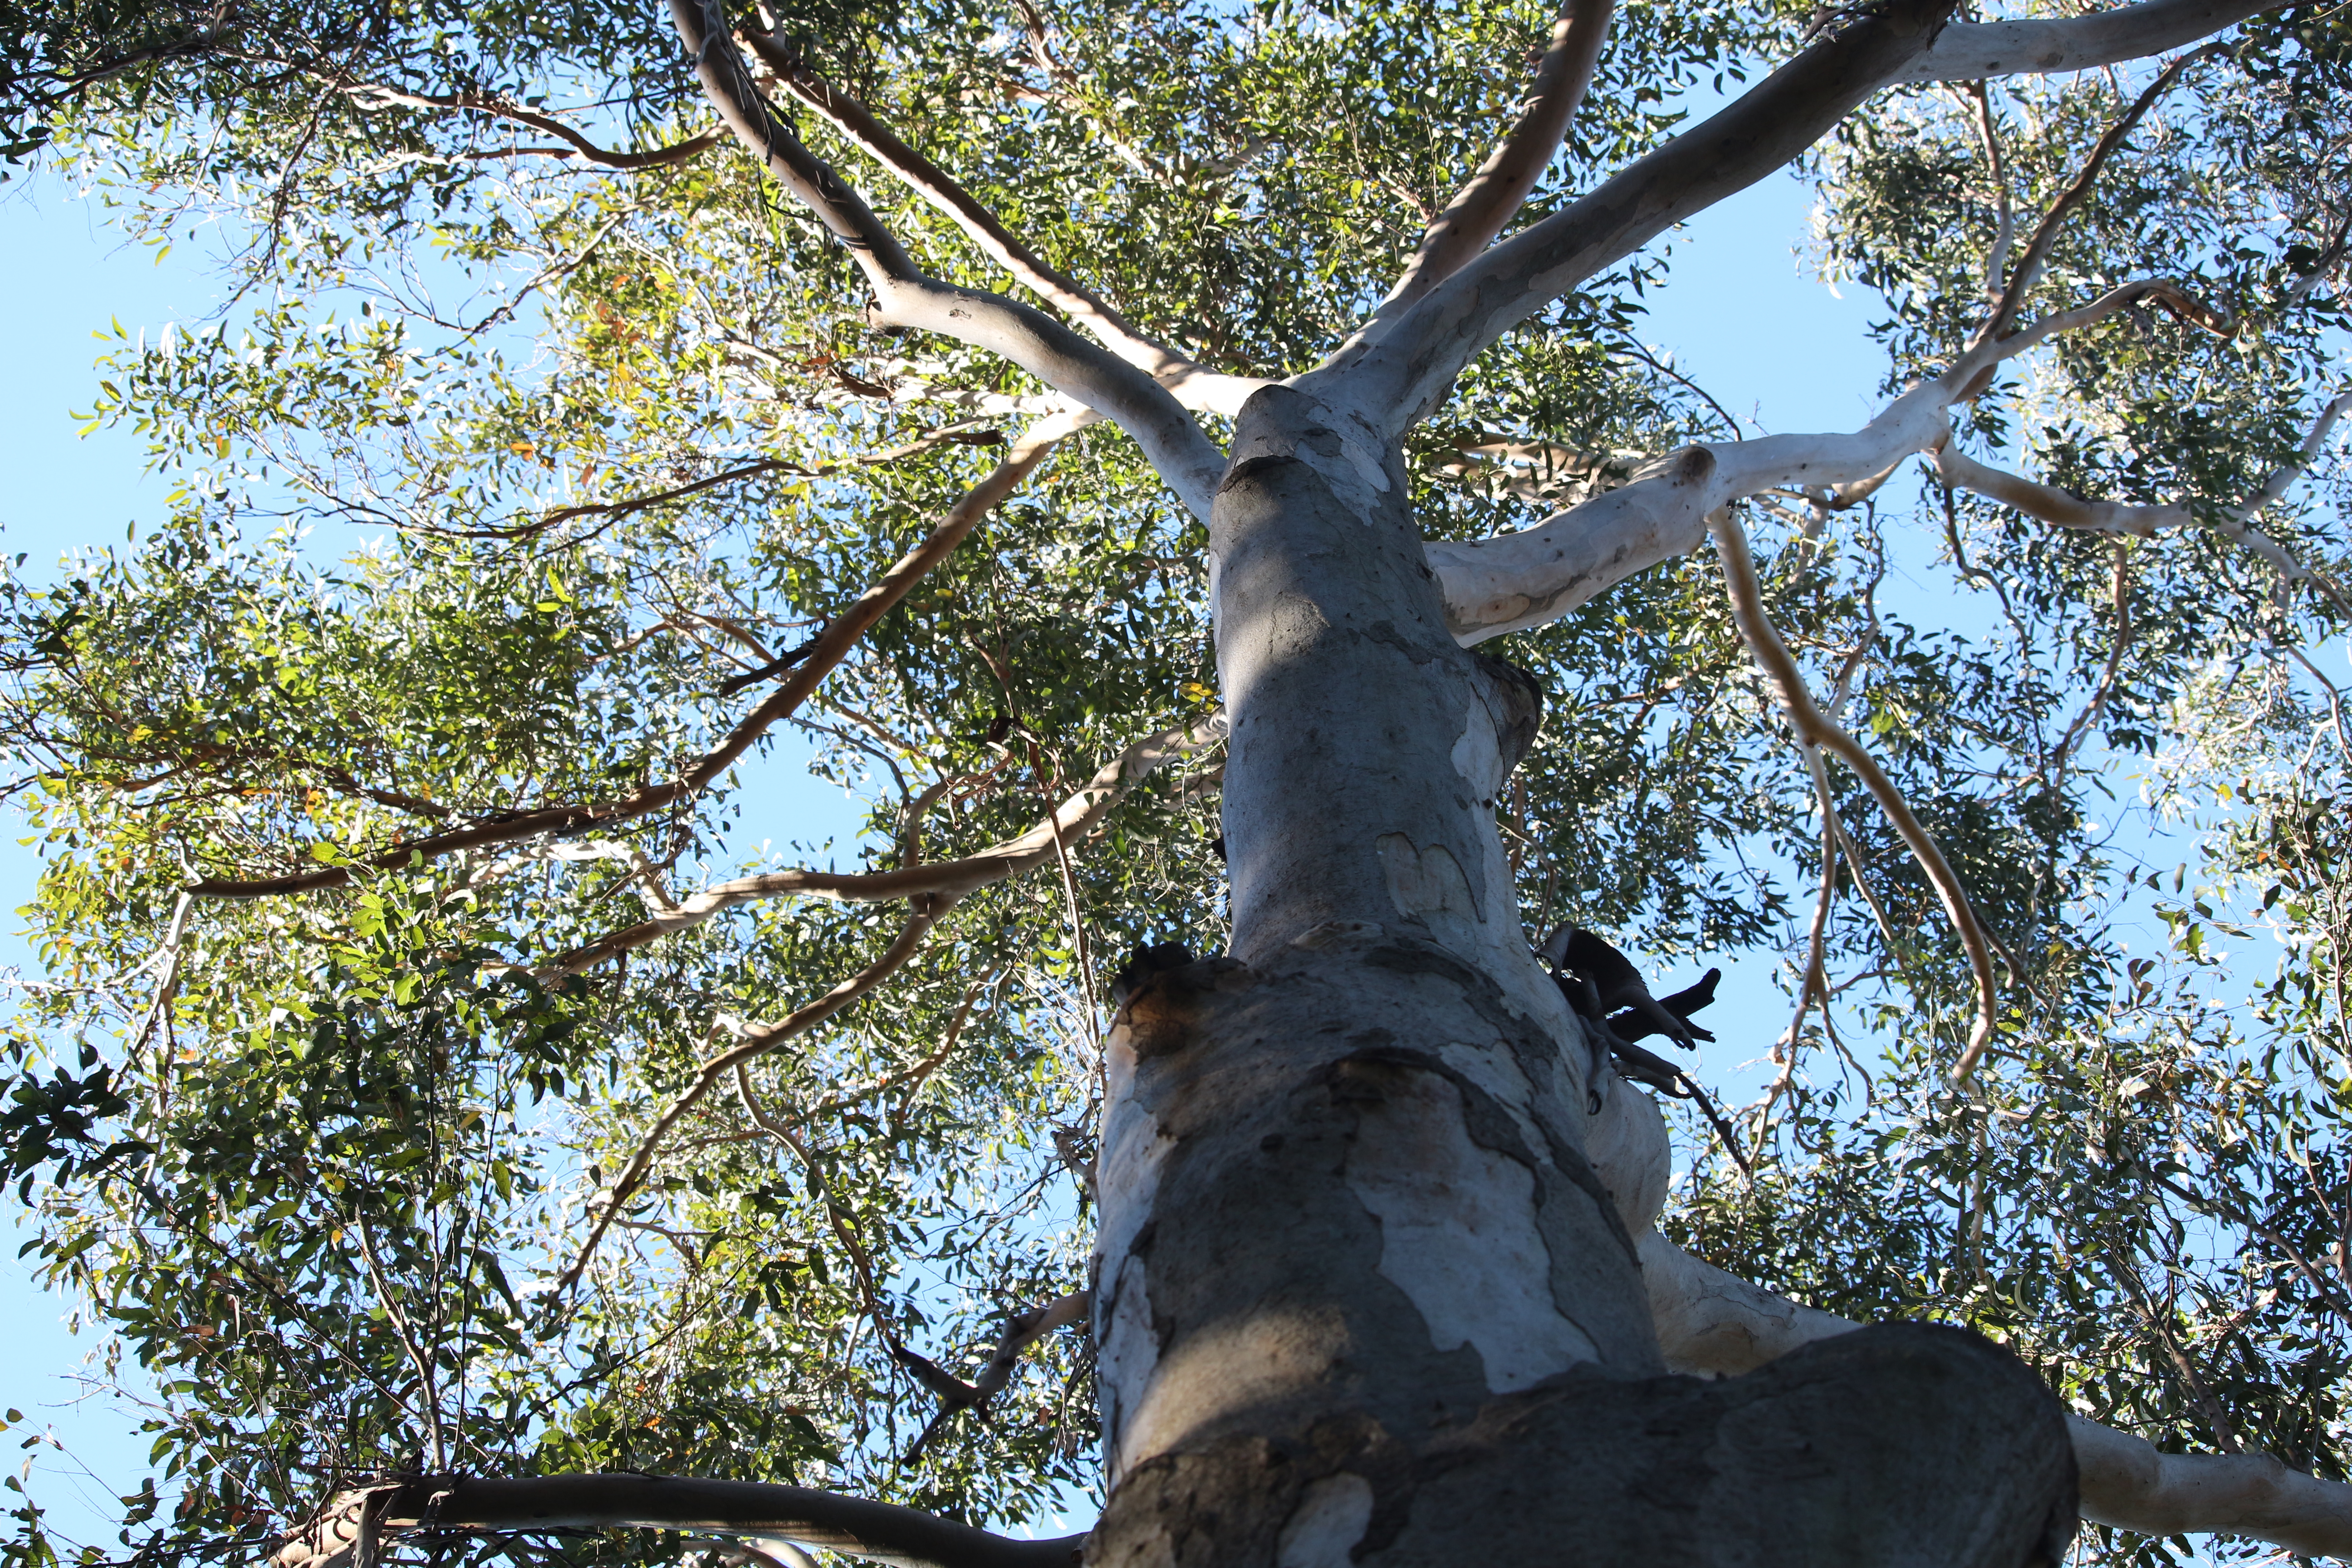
(1740, 316)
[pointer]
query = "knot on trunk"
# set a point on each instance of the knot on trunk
(1158, 993)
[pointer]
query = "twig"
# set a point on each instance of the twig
(752, 1040)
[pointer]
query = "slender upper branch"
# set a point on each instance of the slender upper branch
(628, 1500)
(833, 645)
(2036, 256)
(905, 297)
(751, 1041)
(1073, 820)
(1480, 209)
(1194, 385)
(1814, 727)
(375, 95)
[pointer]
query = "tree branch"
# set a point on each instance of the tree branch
(1519, 580)
(2036, 254)
(1075, 819)
(1482, 208)
(629, 1501)
(2066, 510)
(1194, 385)
(1965, 51)
(1712, 1322)
(903, 297)
(379, 95)
(754, 1040)
(1813, 728)
(833, 645)
(1398, 380)
(966, 432)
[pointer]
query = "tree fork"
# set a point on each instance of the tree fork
(1360, 1293)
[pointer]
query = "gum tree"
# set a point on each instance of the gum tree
(1196, 468)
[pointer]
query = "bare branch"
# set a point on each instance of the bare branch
(1814, 727)
(1194, 385)
(632, 1501)
(1021, 1330)
(379, 95)
(1074, 819)
(1525, 579)
(903, 297)
(835, 644)
(1482, 208)
(169, 955)
(1966, 52)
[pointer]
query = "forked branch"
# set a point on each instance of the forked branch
(632, 1501)
(832, 645)
(1022, 1330)
(2051, 504)
(1525, 579)
(1397, 379)
(1813, 728)
(1194, 385)
(904, 295)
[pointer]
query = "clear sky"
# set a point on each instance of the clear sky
(1739, 316)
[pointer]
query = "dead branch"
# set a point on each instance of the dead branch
(632, 1501)
(1074, 820)
(1811, 727)
(833, 645)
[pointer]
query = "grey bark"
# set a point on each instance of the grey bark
(1360, 1295)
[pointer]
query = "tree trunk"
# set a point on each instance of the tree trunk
(1362, 1294)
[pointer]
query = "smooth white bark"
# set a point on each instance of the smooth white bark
(1970, 51)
